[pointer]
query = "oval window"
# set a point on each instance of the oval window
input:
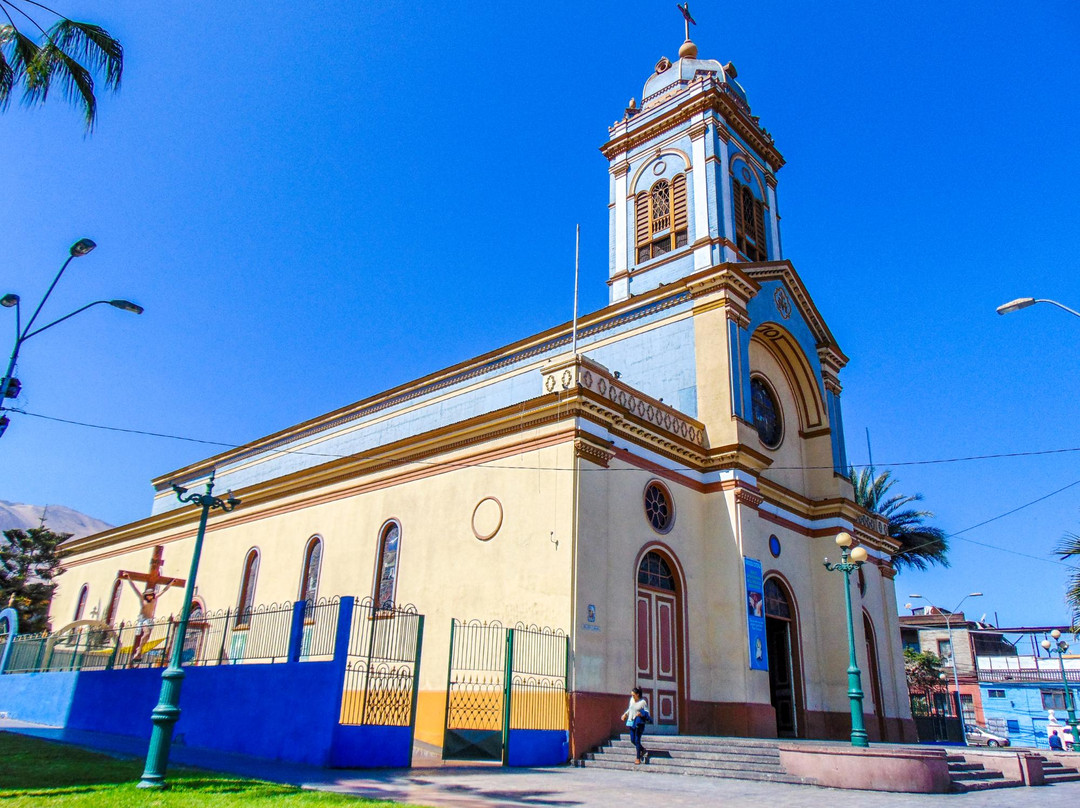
(767, 417)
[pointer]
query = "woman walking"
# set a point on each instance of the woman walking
(636, 716)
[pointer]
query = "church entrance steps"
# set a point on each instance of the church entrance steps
(704, 756)
(967, 776)
(1054, 771)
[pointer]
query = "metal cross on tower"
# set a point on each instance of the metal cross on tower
(687, 19)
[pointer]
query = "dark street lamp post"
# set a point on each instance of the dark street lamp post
(851, 560)
(1059, 647)
(167, 711)
(9, 386)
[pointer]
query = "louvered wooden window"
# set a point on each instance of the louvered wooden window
(749, 224)
(660, 218)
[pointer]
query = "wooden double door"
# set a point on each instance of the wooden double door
(658, 655)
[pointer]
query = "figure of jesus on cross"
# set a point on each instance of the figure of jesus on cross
(149, 595)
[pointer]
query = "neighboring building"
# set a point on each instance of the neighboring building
(678, 479)
(1008, 684)
(1020, 689)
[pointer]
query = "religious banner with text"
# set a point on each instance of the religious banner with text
(755, 615)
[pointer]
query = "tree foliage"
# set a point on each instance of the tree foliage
(30, 560)
(66, 56)
(921, 545)
(1069, 547)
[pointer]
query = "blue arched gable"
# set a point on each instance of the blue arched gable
(762, 309)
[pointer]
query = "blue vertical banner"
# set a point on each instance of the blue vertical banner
(755, 615)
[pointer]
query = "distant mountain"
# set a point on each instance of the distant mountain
(57, 518)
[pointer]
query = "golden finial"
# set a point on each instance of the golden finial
(688, 50)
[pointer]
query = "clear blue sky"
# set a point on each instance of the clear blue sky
(316, 203)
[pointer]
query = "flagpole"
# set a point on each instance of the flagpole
(577, 266)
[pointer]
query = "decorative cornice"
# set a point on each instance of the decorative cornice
(750, 497)
(770, 180)
(711, 96)
(784, 271)
(620, 169)
(590, 449)
(698, 130)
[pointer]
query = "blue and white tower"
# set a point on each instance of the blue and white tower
(693, 178)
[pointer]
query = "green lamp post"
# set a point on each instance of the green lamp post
(851, 560)
(167, 712)
(1059, 647)
(9, 385)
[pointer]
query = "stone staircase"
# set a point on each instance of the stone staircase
(975, 776)
(1057, 772)
(705, 756)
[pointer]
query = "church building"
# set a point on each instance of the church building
(660, 481)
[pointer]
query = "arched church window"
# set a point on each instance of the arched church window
(386, 574)
(659, 508)
(114, 602)
(766, 413)
(776, 600)
(246, 604)
(309, 581)
(660, 218)
(80, 607)
(749, 223)
(655, 572)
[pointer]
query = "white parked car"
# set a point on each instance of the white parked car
(977, 736)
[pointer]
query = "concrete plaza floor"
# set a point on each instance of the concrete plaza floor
(564, 787)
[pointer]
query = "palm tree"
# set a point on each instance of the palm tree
(1068, 547)
(921, 545)
(68, 53)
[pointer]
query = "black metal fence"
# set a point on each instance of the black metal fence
(258, 635)
(383, 667)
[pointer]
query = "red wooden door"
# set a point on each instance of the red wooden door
(658, 656)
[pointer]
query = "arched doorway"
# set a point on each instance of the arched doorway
(785, 674)
(874, 674)
(659, 646)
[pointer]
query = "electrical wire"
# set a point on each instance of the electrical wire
(956, 535)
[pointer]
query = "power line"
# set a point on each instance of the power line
(956, 535)
(224, 444)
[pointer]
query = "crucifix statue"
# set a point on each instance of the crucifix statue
(150, 593)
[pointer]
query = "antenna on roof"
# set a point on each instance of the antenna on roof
(577, 266)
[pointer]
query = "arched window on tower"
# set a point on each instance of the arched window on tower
(386, 571)
(246, 603)
(114, 602)
(309, 582)
(80, 607)
(749, 223)
(660, 218)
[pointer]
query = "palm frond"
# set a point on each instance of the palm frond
(25, 55)
(93, 47)
(7, 77)
(921, 545)
(75, 80)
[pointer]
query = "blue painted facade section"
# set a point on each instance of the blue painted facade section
(538, 747)
(762, 309)
(659, 362)
(1021, 711)
(660, 375)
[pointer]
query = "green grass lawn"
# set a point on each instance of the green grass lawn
(37, 773)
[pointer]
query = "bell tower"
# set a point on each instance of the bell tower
(693, 177)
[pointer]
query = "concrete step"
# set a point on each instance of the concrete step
(718, 754)
(985, 785)
(971, 776)
(655, 766)
(665, 757)
(672, 741)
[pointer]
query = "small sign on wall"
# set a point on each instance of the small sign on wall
(590, 623)
(755, 615)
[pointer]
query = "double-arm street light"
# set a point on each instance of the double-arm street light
(850, 561)
(952, 651)
(167, 712)
(9, 385)
(1024, 302)
(1059, 647)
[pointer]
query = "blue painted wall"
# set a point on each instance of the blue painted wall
(1021, 704)
(539, 747)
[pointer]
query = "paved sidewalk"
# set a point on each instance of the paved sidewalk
(564, 787)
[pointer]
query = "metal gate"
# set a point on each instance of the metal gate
(502, 679)
(383, 668)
